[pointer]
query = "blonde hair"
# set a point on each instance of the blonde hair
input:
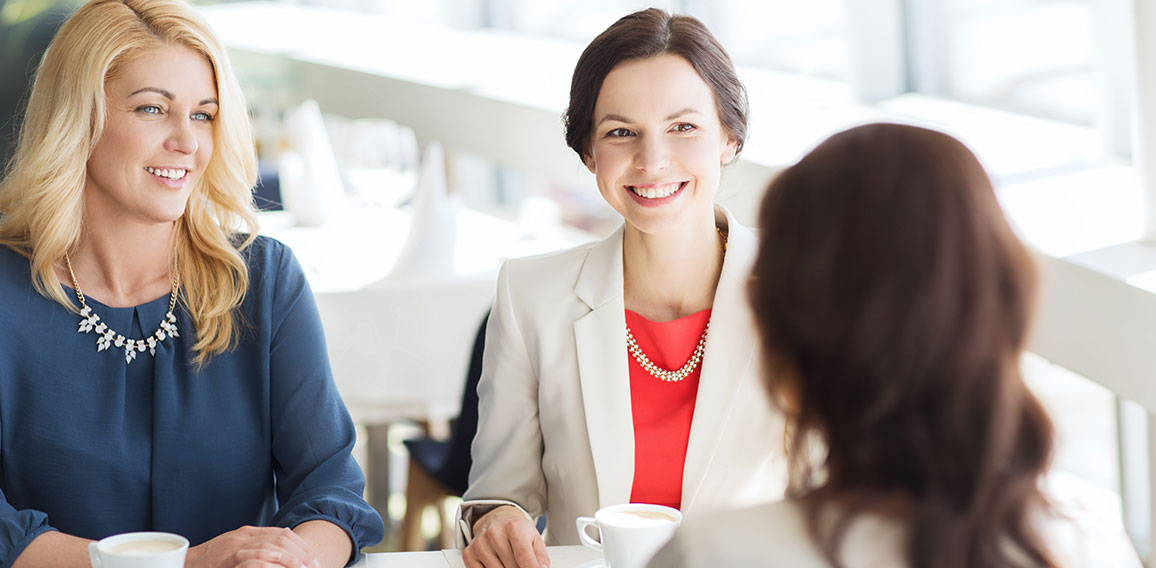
(41, 197)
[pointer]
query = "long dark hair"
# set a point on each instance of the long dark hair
(894, 301)
(650, 33)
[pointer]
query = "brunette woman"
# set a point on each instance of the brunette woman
(626, 369)
(893, 303)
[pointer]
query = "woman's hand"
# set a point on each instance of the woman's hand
(253, 547)
(505, 538)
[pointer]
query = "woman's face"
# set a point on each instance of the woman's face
(157, 140)
(657, 147)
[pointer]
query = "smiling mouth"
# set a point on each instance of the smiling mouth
(657, 191)
(174, 174)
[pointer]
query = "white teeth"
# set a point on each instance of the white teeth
(173, 174)
(658, 192)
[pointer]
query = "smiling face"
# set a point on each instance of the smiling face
(657, 147)
(157, 139)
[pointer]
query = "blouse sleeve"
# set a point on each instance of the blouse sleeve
(18, 529)
(507, 450)
(313, 435)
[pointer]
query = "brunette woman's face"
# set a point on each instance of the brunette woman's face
(658, 146)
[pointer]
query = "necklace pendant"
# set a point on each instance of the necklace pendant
(88, 323)
(104, 342)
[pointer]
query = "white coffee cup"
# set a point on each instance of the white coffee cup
(139, 550)
(630, 534)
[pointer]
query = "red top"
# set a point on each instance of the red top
(662, 410)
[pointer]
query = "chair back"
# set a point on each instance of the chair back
(455, 472)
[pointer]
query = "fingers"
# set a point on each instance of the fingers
(292, 550)
(480, 555)
(540, 550)
(266, 555)
(255, 547)
(524, 549)
(513, 544)
(505, 552)
(257, 564)
(468, 558)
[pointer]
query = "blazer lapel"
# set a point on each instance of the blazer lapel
(600, 342)
(729, 357)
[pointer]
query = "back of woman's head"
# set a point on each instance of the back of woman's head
(41, 194)
(894, 301)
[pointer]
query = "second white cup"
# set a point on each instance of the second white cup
(630, 534)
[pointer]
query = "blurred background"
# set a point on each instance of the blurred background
(408, 147)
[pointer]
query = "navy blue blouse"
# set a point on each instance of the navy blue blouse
(92, 446)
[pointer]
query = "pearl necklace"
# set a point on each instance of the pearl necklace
(695, 358)
(106, 337)
(663, 374)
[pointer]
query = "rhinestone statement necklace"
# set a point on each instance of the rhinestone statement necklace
(695, 358)
(106, 337)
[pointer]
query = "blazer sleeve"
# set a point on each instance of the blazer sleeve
(313, 435)
(507, 450)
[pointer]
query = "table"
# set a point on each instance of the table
(399, 345)
(560, 557)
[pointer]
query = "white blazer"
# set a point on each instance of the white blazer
(556, 434)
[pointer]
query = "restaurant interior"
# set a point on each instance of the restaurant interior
(408, 148)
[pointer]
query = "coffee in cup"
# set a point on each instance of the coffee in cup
(630, 534)
(139, 550)
(143, 547)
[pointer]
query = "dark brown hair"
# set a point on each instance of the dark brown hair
(649, 33)
(894, 301)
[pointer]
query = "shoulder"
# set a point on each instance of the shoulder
(547, 272)
(15, 276)
(262, 251)
(777, 535)
(570, 259)
(14, 267)
(1078, 537)
(276, 279)
(269, 260)
(752, 536)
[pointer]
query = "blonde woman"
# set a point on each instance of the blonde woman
(160, 369)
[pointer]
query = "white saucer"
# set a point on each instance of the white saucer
(596, 563)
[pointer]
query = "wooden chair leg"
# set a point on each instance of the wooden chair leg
(417, 497)
(448, 528)
(421, 491)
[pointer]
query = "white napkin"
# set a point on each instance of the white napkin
(311, 186)
(429, 247)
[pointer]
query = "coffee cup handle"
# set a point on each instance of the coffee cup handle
(582, 523)
(94, 555)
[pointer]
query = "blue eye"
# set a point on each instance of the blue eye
(619, 133)
(203, 116)
(684, 127)
(149, 109)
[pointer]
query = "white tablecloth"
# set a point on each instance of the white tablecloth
(560, 557)
(400, 345)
